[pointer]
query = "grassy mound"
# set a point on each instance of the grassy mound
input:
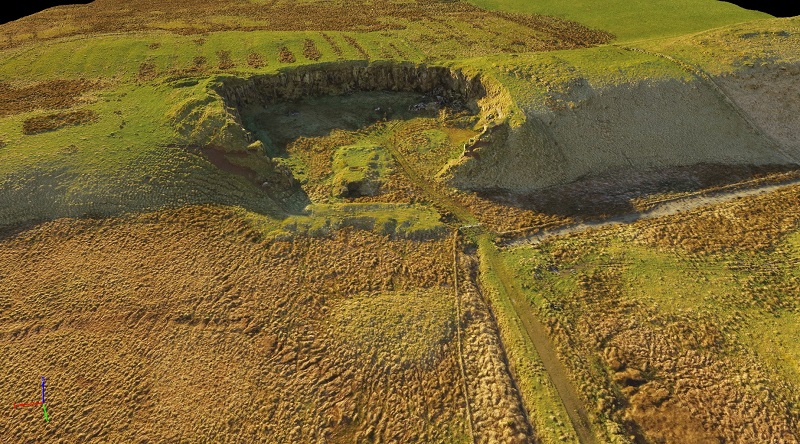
(359, 170)
(403, 221)
(396, 329)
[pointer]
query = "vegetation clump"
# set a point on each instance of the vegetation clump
(254, 60)
(285, 55)
(359, 170)
(52, 122)
(310, 50)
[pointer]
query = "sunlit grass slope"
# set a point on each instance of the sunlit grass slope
(635, 19)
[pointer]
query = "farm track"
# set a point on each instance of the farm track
(460, 343)
(532, 327)
(664, 208)
(544, 348)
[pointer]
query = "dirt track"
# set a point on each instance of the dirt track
(665, 208)
(533, 328)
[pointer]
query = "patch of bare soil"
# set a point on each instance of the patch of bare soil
(184, 325)
(52, 122)
(52, 94)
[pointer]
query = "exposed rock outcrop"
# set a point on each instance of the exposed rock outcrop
(451, 87)
(350, 77)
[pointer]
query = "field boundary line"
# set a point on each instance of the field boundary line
(537, 335)
(461, 363)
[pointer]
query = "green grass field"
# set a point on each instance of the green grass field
(636, 20)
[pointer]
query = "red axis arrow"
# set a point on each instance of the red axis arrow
(28, 404)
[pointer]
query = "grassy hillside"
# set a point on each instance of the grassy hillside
(176, 237)
(635, 20)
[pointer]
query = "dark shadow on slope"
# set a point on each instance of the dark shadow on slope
(625, 191)
(278, 124)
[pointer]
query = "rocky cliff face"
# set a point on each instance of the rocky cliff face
(345, 78)
(451, 87)
(229, 97)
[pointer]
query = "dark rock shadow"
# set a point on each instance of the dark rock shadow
(614, 193)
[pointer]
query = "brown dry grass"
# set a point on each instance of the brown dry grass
(255, 60)
(310, 50)
(285, 55)
(660, 341)
(750, 224)
(184, 325)
(667, 377)
(567, 32)
(191, 17)
(51, 94)
(497, 410)
(673, 378)
(52, 122)
(504, 217)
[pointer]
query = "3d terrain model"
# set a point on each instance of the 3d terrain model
(400, 221)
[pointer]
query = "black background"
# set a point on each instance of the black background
(786, 8)
(21, 8)
(8, 13)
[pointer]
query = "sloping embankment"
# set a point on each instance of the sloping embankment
(611, 131)
(770, 96)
